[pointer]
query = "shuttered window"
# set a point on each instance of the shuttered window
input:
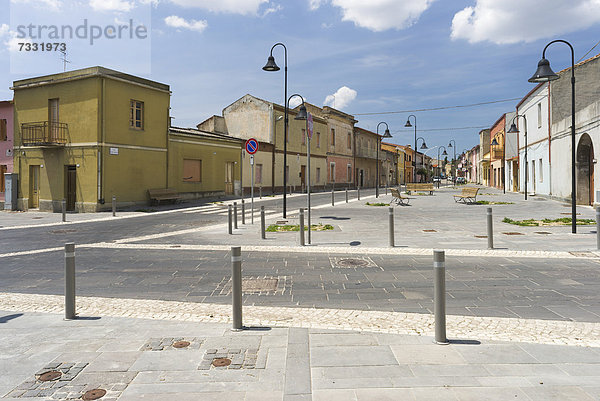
(192, 170)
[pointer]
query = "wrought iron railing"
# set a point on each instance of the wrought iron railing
(47, 133)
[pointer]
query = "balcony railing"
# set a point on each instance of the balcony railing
(497, 153)
(44, 133)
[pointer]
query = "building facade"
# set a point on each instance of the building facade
(365, 157)
(6, 142)
(497, 136)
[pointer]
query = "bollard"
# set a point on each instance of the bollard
(391, 221)
(229, 219)
(114, 205)
(235, 225)
(64, 210)
(439, 270)
(358, 193)
(301, 227)
(260, 192)
(490, 231)
(262, 223)
(386, 187)
(70, 281)
(236, 287)
(332, 197)
(346, 195)
(243, 212)
(598, 228)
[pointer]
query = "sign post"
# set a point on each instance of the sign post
(252, 148)
(309, 134)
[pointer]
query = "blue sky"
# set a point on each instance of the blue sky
(377, 55)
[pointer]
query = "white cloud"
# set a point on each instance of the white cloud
(10, 40)
(193, 25)
(4, 30)
(244, 7)
(315, 4)
(273, 9)
(294, 102)
(52, 5)
(513, 21)
(340, 99)
(111, 5)
(379, 15)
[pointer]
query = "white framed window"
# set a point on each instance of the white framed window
(318, 175)
(539, 109)
(541, 170)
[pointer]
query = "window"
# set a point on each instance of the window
(3, 131)
(303, 136)
(541, 171)
(539, 115)
(318, 139)
(332, 172)
(349, 141)
(136, 115)
(349, 174)
(258, 170)
(332, 137)
(318, 178)
(192, 170)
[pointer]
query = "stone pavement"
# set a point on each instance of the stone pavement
(174, 356)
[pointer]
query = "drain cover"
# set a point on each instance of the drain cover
(221, 362)
(181, 344)
(513, 233)
(93, 394)
(49, 376)
(351, 262)
(481, 236)
(429, 231)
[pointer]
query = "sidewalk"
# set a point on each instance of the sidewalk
(135, 359)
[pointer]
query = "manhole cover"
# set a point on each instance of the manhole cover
(429, 231)
(481, 236)
(221, 362)
(63, 231)
(49, 376)
(543, 232)
(259, 284)
(513, 233)
(181, 344)
(279, 222)
(93, 394)
(351, 262)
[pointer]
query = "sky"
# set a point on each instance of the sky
(362, 57)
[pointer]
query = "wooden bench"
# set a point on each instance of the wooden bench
(467, 195)
(419, 187)
(398, 198)
(163, 194)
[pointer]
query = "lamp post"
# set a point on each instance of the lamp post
(438, 161)
(423, 147)
(514, 130)
(414, 162)
(453, 160)
(545, 74)
(271, 66)
(495, 143)
(386, 134)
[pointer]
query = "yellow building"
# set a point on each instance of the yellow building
(398, 176)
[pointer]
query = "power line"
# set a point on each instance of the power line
(442, 129)
(589, 51)
(439, 108)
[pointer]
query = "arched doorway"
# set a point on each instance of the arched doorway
(585, 171)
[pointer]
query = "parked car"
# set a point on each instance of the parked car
(461, 180)
(437, 179)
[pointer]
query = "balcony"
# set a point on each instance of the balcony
(497, 154)
(44, 133)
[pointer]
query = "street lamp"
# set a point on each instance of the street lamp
(386, 134)
(271, 66)
(414, 162)
(545, 74)
(453, 160)
(438, 160)
(423, 147)
(495, 143)
(514, 130)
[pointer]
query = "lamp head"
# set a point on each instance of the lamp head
(424, 146)
(445, 153)
(494, 142)
(387, 134)
(271, 65)
(301, 113)
(513, 129)
(450, 144)
(408, 124)
(544, 73)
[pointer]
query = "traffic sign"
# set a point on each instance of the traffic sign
(251, 146)
(310, 126)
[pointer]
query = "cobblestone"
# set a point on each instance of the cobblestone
(500, 329)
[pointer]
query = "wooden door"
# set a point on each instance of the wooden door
(34, 187)
(229, 166)
(2, 171)
(53, 119)
(71, 187)
(303, 176)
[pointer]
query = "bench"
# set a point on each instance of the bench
(419, 187)
(163, 194)
(467, 195)
(398, 198)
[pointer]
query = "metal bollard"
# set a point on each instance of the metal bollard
(236, 287)
(346, 195)
(235, 225)
(301, 227)
(332, 197)
(63, 205)
(262, 223)
(243, 212)
(114, 205)
(490, 230)
(439, 270)
(229, 219)
(598, 228)
(391, 224)
(70, 281)
(358, 193)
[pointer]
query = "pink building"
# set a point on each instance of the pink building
(6, 142)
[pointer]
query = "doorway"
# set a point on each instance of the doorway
(303, 176)
(34, 187)
(229, 166)
(585, 171)
(71, 187)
